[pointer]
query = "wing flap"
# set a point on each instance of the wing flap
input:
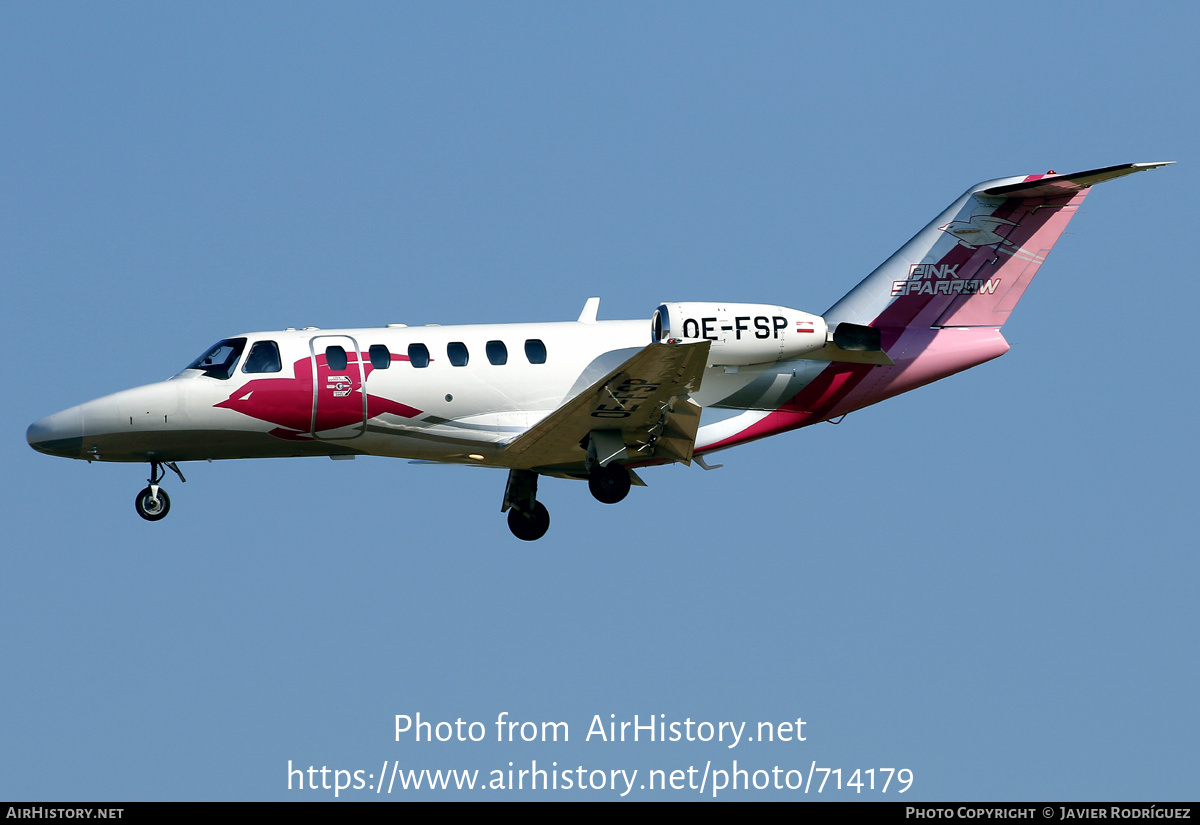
(643, 404)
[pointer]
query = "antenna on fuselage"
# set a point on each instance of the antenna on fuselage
(588, 316)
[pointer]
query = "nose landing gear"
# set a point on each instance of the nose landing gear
(153, 503)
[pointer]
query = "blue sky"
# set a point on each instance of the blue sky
(989, 581)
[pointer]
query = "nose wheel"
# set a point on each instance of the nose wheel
(153, 503)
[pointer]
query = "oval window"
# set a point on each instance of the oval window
(381, 359)
(535, 351)
(418, 355)
(497, 353)
(335, 358)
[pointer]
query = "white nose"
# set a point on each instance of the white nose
(59, 434)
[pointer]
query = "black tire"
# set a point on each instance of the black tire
(529, 526)
(609, 484)
(148, 509)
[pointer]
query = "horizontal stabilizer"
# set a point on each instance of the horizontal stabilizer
(852, 344)
(832, 352)
(1058, 186)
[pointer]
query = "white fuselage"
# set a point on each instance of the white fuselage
(442, 411)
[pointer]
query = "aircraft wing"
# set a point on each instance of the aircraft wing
(640, 412)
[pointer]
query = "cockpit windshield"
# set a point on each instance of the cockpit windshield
(220, 359)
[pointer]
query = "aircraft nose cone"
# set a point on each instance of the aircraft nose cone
(59, 434)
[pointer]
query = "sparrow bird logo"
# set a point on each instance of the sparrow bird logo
(979, 231)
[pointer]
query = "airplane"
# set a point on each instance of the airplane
(590, 399)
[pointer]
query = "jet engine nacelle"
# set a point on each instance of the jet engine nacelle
(741, 334)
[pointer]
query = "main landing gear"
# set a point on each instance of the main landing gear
(608, 480)
(528, 518)
(529, 525)
(153, 503)
(609, 484)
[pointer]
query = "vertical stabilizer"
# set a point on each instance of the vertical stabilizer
(971, 264)
(938, 302)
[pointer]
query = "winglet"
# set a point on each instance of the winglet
(588, 316)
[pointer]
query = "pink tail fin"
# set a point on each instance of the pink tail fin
(995, 277)
(971, 264)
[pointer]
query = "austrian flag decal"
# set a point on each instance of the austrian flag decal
(804, 326)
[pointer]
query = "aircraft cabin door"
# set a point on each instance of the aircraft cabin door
(339, 403)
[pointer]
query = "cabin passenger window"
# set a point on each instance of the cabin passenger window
(456, 351)
(263, 357)
(220, 359)
(418, 355)
(497, 353)
(335, 357)
(381, 359)
(535, 351)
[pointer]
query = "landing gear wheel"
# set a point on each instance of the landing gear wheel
(152, 509)
(609, 484)
(529, 526)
